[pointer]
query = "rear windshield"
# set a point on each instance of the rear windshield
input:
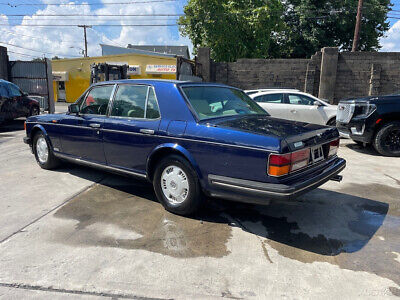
(214, 102)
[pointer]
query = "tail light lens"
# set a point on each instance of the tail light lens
(333, 147)
(25, 126)
(283, 164)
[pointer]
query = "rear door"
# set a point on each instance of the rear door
(81, 135)
(274, 104)
(129, 133)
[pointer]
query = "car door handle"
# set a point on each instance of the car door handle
(293, 111)
(95, 125)
(147, 131)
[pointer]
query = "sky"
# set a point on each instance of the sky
(28, 41)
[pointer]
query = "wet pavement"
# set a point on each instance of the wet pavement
(108, 236)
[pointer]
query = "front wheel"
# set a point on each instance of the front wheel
(387, 140)
(43, 154)
(177, 186)
(34, 111)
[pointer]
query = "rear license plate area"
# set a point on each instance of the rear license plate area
(317, 154)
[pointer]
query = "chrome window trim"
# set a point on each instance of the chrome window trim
(149, 86)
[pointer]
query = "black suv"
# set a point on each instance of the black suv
(14, 103)
(372, 120)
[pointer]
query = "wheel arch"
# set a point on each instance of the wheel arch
(385, 119)
(331, 119)
(39, 128)
(164, 150)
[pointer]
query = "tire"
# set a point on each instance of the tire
(34, 111)
(174, 176)
(40, 146)
(332, 122)
(387, 140)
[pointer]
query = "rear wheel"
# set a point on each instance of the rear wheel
(177, 186)
(387, 139)
(43, 153)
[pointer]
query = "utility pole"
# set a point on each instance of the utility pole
(358, 26)
(84, 33)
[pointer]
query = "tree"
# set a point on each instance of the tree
(314, 24)
(234, 29)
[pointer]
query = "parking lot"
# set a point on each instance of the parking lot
(78, 232)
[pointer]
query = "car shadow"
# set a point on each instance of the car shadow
(11, 126)
(369, 150)
(322, 222)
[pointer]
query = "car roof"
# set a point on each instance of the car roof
(271, 89)
(156, 82)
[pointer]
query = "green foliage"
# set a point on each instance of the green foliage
(314, 24)
(234, 28)
(281, 28)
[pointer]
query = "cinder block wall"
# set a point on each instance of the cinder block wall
(357, 74)
(259, 73)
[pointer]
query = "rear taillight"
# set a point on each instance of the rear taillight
(283, 164)
(25, 126)
(333, 147)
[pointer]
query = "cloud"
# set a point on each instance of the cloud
(391, 42)
(68, 41)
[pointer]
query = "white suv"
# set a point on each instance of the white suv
(294, 105)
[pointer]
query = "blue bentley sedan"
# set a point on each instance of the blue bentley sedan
(188, 139)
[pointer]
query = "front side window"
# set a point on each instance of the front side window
(300, 100)
(213, 102)
(96, 101)
(135, 101)
(14, 91)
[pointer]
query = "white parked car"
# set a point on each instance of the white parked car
(294, 105)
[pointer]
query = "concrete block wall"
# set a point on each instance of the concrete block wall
(258, 73)
(327, 74)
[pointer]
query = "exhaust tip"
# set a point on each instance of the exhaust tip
(337, 178)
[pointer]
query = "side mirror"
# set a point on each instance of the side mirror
(25, 94)
(73, 109)
(317, 103)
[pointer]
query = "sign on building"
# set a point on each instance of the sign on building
(160, 69)
(134, 70)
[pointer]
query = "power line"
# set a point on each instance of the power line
(95, 15)
(34, 50)
(23, 54)
(41, 38)
(103, 35)
(87, 4)
(96, 25)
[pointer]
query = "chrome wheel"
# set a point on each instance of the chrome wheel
(174, 184)
(42, 150)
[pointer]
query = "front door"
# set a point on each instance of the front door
(82, 134)
(303, 108)
(129, 133)
(17, 107)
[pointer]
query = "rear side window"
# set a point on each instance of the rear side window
(152, 111)
(96, 101)
(270, 98)
(135, 101)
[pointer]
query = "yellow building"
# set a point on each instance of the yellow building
(71, 77)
